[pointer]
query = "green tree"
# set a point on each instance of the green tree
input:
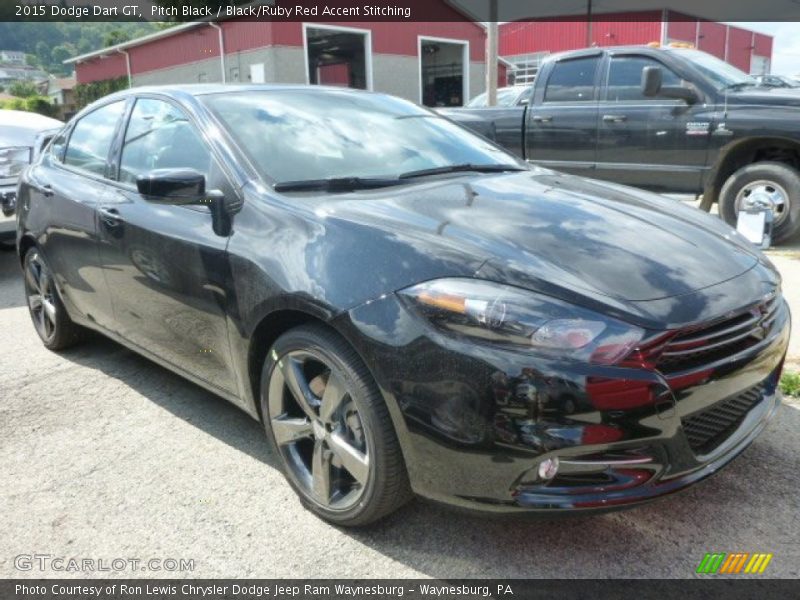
(23, 89)
(116, 36)
(59, 54)
(41, 105)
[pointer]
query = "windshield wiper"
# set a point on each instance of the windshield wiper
(462, 168)
(349, 184)
(336, 184)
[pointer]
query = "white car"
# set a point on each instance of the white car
(21, 138)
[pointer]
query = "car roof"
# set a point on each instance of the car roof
(643, 49)
(203, 89)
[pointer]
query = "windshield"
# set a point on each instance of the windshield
(505, 97)
(721, 74)
(301, 135)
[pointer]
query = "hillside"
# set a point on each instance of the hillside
(49, 43)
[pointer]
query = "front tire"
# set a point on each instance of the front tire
(50, 318)
(772, 183)
(327, 421)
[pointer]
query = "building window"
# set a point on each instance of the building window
(444, 71)
(202, 78)
(338, 56)
(525, 68)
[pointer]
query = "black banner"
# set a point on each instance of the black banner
(465, 589)
(393, 10)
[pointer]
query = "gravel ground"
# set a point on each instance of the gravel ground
(105, 455)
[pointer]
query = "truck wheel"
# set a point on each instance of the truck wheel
(772, 184)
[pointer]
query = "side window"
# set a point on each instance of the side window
(57, 147)
(159, 136)
(572, 80)
(625, 78)
(91, 138)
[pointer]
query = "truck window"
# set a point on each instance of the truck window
(625, 78)
(572, 80)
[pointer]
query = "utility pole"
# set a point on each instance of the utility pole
(491, 55)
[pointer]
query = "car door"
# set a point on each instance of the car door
(166, 268)
(561, 127)
(658, 143)
(70, 182)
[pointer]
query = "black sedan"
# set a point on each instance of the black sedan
(404, 305)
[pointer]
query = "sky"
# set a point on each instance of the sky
(786, 46)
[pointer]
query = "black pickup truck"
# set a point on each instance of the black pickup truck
(673, 120)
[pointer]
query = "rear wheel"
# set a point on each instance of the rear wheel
(50, 318)
(764, 184)
(328, 423)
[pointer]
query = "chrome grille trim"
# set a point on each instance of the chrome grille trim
(718, 339)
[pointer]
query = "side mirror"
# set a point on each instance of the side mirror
(187, 186)
(651, 81)
(172, 186)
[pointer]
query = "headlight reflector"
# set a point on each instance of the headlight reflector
(507, 315)
(13, 160)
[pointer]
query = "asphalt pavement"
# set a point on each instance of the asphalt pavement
(104, 455)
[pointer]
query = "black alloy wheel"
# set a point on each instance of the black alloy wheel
(50, 318)
(329, 425)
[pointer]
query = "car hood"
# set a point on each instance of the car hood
(766, 96)
(19, 128)
(563, 235)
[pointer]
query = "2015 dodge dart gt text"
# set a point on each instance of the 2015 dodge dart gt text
(404, 305)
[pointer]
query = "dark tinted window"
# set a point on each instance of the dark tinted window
(91, 138)
(625, 78)
(159, 136)
(572, 80)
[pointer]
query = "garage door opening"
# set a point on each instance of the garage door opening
(338, 56)
(444, 72)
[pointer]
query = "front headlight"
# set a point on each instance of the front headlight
(505, 315)
(13, 160)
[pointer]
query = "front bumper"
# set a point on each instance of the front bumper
(476, 422)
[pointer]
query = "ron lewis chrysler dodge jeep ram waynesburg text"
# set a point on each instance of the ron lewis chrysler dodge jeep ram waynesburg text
(404, 305)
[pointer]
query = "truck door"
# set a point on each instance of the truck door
(656, 143)
(561, 122)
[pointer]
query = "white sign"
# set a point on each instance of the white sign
(751, 226)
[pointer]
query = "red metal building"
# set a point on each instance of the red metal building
(438, 63)
(526, 43)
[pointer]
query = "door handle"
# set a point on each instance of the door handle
(542, 119)
(110, 217)
(45, 190)
(614, 118)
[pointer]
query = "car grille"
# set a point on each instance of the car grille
(708, 429)
(707, 344)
